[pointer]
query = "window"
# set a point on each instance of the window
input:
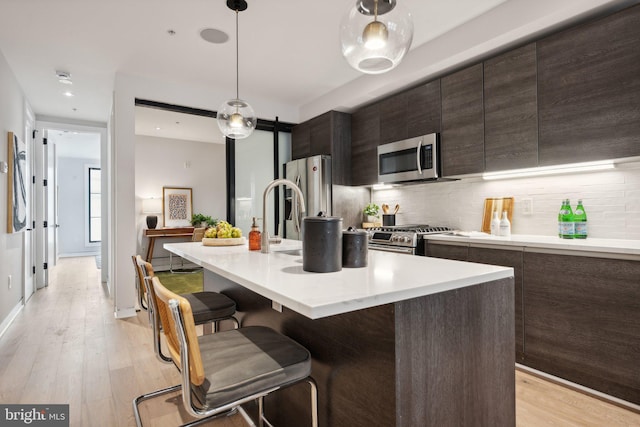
(95, 218)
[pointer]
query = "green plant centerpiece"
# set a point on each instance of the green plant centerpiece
(372, 212)
(200, 220)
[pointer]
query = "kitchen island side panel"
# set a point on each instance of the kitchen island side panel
(428, 361)
(455, 359)
(353, 361)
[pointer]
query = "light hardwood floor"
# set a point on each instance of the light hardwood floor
(67, 347)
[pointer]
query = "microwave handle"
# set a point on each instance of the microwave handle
(418, 162)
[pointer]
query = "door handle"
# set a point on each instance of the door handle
(418, 156)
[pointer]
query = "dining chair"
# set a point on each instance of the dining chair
(140, 287)
(221, 371)
(208, 307)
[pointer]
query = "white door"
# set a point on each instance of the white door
(29, 237)
(52, 205)
(42, 210)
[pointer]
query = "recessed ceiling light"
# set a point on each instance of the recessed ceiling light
(157, 128)
(64, 77)
(213, 35)
(68, 94)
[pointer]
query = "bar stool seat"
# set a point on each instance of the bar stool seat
(210, 306)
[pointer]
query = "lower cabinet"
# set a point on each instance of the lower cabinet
(576, 317)
(514, 259)
(582, 321)
(459, 252)
(504, 257)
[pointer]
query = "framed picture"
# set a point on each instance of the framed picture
(17, 185)
(177, 206)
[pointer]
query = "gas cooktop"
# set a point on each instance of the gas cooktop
(413, 228)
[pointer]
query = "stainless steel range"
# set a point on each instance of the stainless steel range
(406, 239)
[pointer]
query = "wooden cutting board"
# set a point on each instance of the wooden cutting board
(496, 204)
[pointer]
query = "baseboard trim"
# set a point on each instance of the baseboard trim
(11, 317)
(125, 313)
(580, 388)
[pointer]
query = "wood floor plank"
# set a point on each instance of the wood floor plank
(66, 346)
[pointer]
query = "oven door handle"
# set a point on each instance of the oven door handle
(394, 249)
(418, 162)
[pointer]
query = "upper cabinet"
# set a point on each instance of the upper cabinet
(300, 141)
(365, 138)
(462, 138)
(511, 110)
(410, 113)
(329, 133)
(589, 91)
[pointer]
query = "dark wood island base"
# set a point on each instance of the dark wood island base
(444, 359)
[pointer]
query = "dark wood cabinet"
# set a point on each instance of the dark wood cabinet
(511, 110)
(589, 91)
(413, 112)
(512, 257)
(329, 133)
(393, 118)
(582, 321)
(365, 138)
(507, 258)
(424, 112)
(457, 252)
(462, 139)
(300, 141)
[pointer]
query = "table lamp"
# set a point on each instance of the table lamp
(152, 207)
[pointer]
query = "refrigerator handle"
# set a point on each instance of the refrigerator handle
(295, 207)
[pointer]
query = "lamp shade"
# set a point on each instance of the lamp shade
(151, 206)
(236, 119)
(375, 35)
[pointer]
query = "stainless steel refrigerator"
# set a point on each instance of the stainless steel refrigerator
(313, 176)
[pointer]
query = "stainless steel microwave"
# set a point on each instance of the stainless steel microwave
(412, 159)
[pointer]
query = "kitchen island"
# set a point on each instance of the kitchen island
(406, 341)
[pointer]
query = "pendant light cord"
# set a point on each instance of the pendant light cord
(237, 60)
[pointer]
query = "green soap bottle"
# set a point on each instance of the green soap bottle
(580, 222)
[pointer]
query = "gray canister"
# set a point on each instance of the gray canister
(321, 243)
(355, 248)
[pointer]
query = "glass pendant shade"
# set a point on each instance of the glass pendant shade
(375, 35)
(236, 119)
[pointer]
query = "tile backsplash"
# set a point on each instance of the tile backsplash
(611, 199)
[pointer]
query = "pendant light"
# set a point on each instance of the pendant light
(236, 118)
(375, 35)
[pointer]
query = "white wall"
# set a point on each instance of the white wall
(162, 162)
(73, 239)
(611, 200)
(126, 216)
(12, 119)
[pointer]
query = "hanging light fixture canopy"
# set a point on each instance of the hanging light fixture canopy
(236, 119)
(375, 35)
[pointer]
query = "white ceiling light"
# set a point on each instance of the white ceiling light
(64, 77)
(375, 35)
(236, 119)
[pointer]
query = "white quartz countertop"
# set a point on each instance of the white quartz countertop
(609, 246)
(388, 278)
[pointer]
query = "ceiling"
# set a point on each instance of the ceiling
(289, 50)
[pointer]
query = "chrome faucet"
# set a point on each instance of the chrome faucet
(265, 239)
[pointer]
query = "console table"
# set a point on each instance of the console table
(153, 233)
